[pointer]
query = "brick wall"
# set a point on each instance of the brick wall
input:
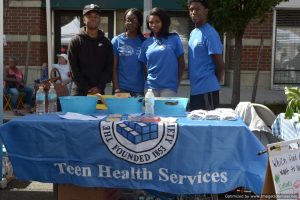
(256, 29)
(37, 52)
(19, 22)
(254, 32)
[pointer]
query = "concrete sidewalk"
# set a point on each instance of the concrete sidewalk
(263, 96)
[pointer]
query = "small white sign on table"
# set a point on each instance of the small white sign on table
(284, 160)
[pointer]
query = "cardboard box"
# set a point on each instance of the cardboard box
(268, 188)
(72, 192)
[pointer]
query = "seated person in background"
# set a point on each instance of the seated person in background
(44, 73)
(14, 80)
(64, 70)
(63, 67)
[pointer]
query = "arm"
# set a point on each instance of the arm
(180, 56)
(181, 64)
(12, 79)
(218, 59)
(115, 74)
(106, 75)
(6, 78)
(145, 71)
(73, 55)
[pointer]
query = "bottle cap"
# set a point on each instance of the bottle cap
(41, 87)
(51, 86)
(150, 90)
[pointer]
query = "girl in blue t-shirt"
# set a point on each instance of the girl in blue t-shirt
(128, 72)
(163, 56)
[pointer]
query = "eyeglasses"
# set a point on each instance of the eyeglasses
(132, 20)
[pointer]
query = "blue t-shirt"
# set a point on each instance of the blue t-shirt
(204, 41)
(130, 70)
(161, 57)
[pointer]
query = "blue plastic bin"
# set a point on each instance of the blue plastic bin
(170, 106)
(125, 105)
(79, 104)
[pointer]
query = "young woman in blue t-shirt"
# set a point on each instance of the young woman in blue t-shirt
(128, 72)
(163, 56)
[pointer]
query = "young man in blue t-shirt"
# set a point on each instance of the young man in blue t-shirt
(205, 59)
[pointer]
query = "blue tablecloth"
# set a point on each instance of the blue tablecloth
(203, 157)
(286, 129)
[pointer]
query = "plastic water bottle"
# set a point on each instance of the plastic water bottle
(149, 103)
(3, 183)
(40, 101)
(52, 100)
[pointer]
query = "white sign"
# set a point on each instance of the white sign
(285, 166)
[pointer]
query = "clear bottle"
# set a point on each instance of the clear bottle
(40, 101)
(52, 100)
(149, 103)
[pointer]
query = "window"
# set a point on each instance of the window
(287, 48)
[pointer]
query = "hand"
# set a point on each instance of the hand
(94, 90)
(20, 83)
(117, 91)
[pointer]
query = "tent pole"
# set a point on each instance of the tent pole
(1, 81)
(1, 67)
(49, 38)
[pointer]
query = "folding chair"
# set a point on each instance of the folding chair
(265, 113)
(21, 100)
(259, 119)
(6, 102)
(268, 117)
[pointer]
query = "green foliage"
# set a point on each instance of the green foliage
(293, 98)
(234, 15)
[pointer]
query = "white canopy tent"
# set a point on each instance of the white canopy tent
(69, 30)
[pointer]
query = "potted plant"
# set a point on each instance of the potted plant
(293, 98)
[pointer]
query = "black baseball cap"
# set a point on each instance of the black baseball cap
(91, 7)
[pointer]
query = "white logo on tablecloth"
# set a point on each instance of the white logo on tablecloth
(139, 143)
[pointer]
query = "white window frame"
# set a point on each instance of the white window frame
(290, 5)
